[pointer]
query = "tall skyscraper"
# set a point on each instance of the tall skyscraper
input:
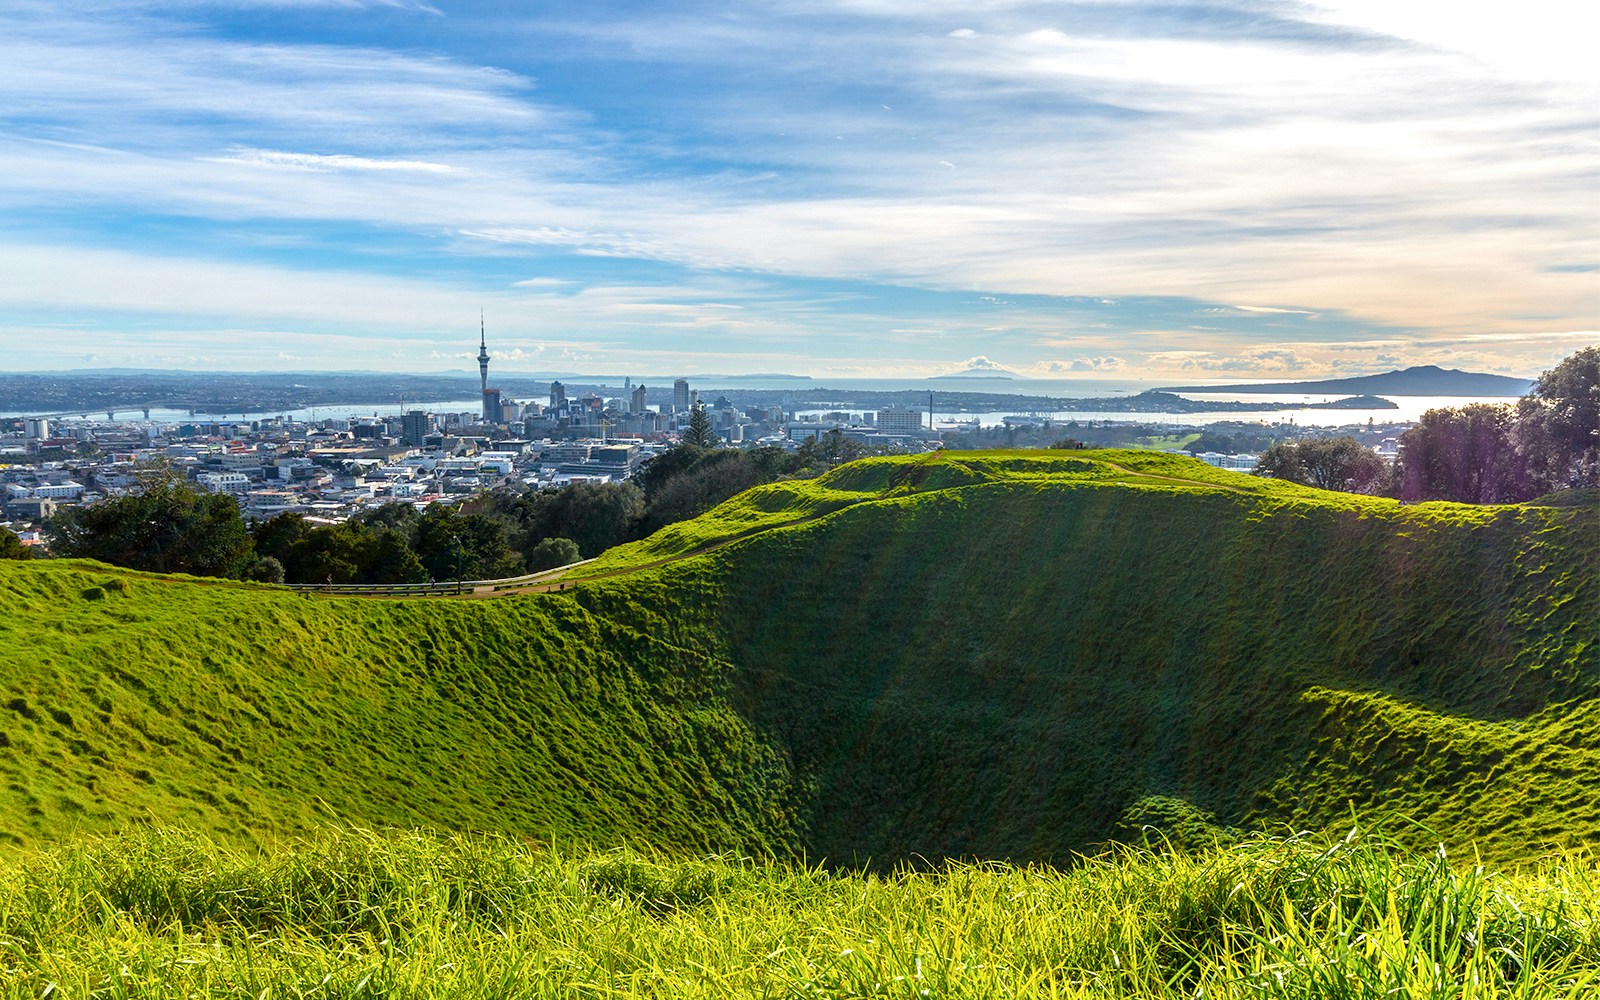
(415, 427)
(680, 395)
(491, 408)
(558, 395)
(639, 397)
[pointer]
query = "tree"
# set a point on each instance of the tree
(1281, 460)
(352, 552)
(275, 536)
(551, 553)
(594, 515)
(266, 569)
(836, 449)
(167, 528)
(1340, 463)
(680, 486)
(700, 433)
(1208, 441)
(452, 545)
(402, 517)
(11, 546)
(1467, 455)
(1336, 463)
(385, 556)
(329, 554)
(1558, 424)
(490, 551)
(656, 473)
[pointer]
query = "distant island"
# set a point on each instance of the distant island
(1159, 401)
(1363, 402)
(977, 373)
(1420, 380)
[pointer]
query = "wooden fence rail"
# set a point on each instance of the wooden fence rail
(448, 588)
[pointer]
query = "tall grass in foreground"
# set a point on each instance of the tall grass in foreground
(352, 913)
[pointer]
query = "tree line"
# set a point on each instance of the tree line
(1547, 441)
(168, 526)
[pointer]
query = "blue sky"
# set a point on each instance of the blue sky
(826, 187)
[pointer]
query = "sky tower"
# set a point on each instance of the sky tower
(483, 354)
(483, 373)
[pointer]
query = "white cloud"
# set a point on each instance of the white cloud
(321, 162)
(1107, 363)
(142, 83)
(1271, 361)
(1538, 39)
(981, 363)
(1269, 310)
(518, 355)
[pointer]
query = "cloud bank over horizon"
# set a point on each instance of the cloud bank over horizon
(1242, 189)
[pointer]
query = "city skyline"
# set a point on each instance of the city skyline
(838, 188)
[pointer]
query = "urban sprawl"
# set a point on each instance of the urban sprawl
(330, 469)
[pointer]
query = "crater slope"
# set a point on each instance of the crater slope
(1001, 655)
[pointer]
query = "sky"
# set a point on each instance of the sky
(854, 188)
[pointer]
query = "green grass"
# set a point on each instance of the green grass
(1169, 442)
(872, 479)
(1000, 655)
(247, 711)
(348, 913)
(979, 655)
(876, 479)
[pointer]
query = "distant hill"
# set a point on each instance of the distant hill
(978, 373)
(1421, 380)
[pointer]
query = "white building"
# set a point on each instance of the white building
(223, 482)
(68, 490)
(496, 461)
(1237, 463)
(898, 421)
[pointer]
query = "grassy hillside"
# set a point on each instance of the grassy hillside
(1004, 655)
(249, 711)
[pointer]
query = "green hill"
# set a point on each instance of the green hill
(1006, 655)
(250, 711)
